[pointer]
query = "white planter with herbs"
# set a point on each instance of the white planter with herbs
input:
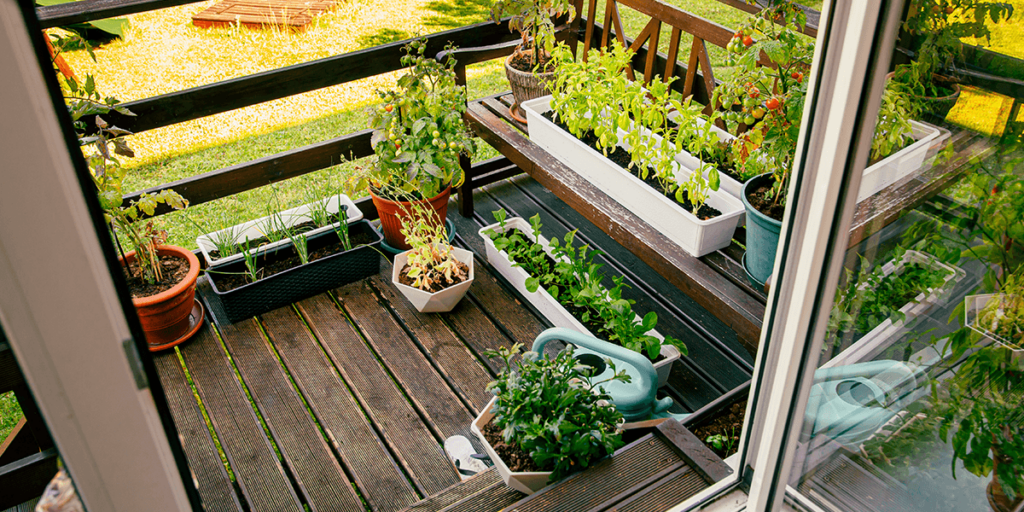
(261, 227)
(548, 305)
(900, 164)
(695, 236)
(524, 482)
(876, 340)
(438, 302)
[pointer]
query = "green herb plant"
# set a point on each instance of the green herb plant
(552, 410)
(723, 443)
(893, 131)
(571, 277)
(1003, 315)
(418, 131)
(431, 263)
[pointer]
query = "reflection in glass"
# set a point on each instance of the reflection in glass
(918, 400)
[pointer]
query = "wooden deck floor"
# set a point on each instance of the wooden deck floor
(342, 401)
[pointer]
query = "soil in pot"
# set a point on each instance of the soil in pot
(727, 423)
(228, 282)
(173, 268)
(438, 285)
(523, 61)
(517, 460)
(773, 209)
(621, 158)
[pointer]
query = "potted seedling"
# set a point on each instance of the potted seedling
(306, 265)
(320, 214)
(547, 418)
(566, 286)
(616, 134)
(161, 278)
(530, 67)
(418, 137)
(999, 317)
(432, 274)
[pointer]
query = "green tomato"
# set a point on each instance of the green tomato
(749, 120)
(436, 134)
(436, 142)
(452, 145)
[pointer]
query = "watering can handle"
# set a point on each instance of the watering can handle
(648, 378)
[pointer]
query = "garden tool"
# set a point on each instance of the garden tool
(850, 403)
(637, 399)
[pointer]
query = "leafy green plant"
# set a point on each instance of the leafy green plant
(723, 443)
(551, 409)
(431, 263)
(1003, 315)
(101, 145)
(892, 130)
(300, 243)
(251, 268)
(532, 19)
(418, 131)
(341, 228)
(770, 98)
(874, 296)
(571, 277)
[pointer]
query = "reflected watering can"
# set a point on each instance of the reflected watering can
(636, 400)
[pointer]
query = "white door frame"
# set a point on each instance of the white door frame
(58, 305)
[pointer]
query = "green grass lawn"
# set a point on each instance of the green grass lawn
(10, 414)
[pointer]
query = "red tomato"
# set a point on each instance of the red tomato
(748, 41)
(389, 107)
(773, 104)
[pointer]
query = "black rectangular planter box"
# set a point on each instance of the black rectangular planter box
(299, 282)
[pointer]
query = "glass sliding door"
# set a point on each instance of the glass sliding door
(911, 388)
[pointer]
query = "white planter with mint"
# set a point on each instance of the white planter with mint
(524, 482)
(261, 227)
(900, 164)
(548, 305)
(695, 236)
(878, 339)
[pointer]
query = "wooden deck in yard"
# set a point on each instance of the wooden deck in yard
(293, 14)
(342, 401)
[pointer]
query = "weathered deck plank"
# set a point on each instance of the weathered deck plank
(372, 467)
(260, 476)
(210, 477)
(317, 472)
(414, 373)
(418, 450)
(454, 360)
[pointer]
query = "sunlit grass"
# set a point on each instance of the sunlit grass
(1006, 36)
(10, 414)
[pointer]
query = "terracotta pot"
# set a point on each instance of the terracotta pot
(166, 316)
(392, 212)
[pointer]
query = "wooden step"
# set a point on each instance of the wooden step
(655, 472)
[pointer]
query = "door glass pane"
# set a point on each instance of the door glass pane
(919, 390)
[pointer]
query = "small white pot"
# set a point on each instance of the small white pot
(258, 228)
(900, 164)
(695, 236)
(525, 482)
(548, 305)
(439, 302)
(875, 341)
(973, 304)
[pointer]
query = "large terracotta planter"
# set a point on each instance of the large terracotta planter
(167, 317)
(392, 212)
(997, 499)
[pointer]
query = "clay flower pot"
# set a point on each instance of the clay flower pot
(168, 318)
(392, 212)
(525, 85)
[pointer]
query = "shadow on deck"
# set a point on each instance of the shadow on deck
(342, 401)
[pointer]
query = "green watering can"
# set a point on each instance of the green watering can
(637, 399)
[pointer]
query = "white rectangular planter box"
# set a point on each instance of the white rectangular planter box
(258, 228)
(899, 164)
(437, 302)
(524, 482)
(695, 236)
(973, 304)
(869, 345)
(548, 305)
